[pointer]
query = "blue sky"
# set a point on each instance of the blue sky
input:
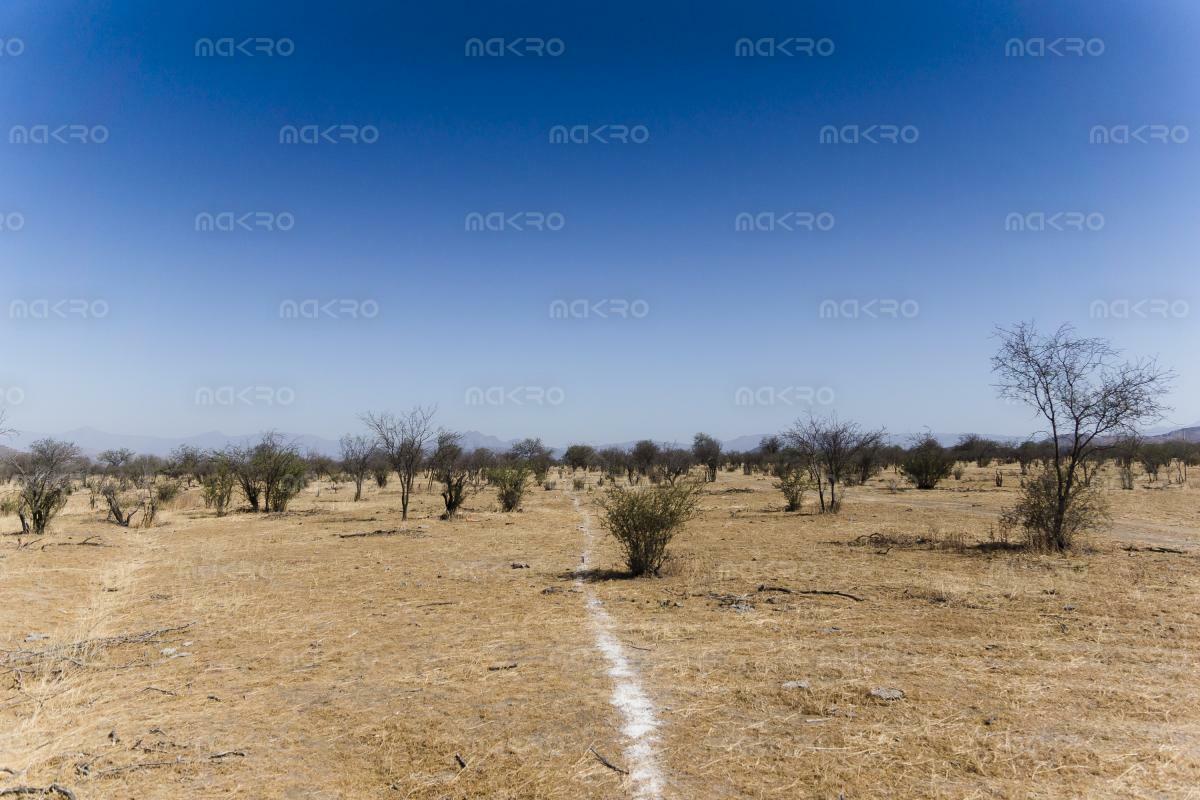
(169, 312)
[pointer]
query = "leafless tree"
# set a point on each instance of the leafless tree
(449, 466)
(1089, 400)
(830, 447)
(403, 440)
(675, 463)
(44, 476)
(708, 452)
(357, 454)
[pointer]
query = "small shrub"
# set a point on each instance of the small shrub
(578, 483)
(793, 482)
(218, 489)
(999, 478)
(549, 485)
(510, 485)
(166, 491)
(1036, 512)
(644, 521)
(958, 473)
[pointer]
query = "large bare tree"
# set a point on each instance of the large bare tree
(1089, 399)
(403, 439)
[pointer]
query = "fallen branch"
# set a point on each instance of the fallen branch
(1130, 548)
(393, 532)
(61, 651)
(85, 543)
(227, 754)
(765, 588)
(461, 764)
(156, 689)
(606, 762)
(53, 788)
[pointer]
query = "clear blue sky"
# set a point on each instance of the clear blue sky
(114, 222)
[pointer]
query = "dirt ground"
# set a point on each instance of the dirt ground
(270, 656)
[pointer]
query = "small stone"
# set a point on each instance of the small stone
(1068, 608)
(886, 693)
(520, 565)
(796, 685)
(499, 667)
(37, 637)
(167, 651)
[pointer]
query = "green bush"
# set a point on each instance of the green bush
(643, 521)
(510, 485)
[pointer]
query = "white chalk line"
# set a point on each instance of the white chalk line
(637, 711)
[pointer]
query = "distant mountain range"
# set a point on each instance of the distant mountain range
(92, 441)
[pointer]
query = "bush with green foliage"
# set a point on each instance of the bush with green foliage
(927, 463)
(643, 521)
(509, 481)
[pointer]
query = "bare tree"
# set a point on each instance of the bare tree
(404, 441)
(357, 455)
(830, 448)
(44, 476)
(1088, 400)
(708, 452)
(449, 466)
(675, 463)
(535, 455)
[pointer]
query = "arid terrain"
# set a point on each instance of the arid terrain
(277, 655)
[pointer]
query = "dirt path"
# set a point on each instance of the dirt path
(640, 718)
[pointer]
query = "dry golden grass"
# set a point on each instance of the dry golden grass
(325, 667)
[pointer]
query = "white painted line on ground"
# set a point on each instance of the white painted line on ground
(634, 705)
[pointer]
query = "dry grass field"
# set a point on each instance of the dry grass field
(273, 656)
